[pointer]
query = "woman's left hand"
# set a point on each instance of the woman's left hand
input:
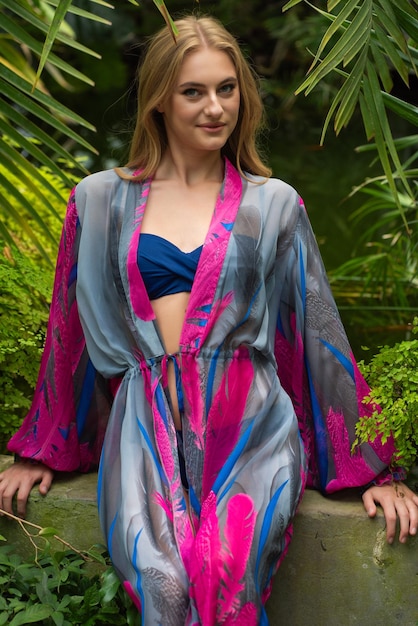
(396, 500)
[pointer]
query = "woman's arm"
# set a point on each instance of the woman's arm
(64, 428)
(317, 369)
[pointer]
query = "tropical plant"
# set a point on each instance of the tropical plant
(365, 43)
(393, 376)
(365, 46)
(36, 129)
(34, 125)
(383, 273)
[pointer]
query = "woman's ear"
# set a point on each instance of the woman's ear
(159, 108)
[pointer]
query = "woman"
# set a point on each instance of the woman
(192, 305)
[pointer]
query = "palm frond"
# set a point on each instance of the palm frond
(35, 127)
(364, 44)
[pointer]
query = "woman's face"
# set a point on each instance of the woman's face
(203, 109)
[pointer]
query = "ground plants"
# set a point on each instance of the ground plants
(59, 587)
(59, 591)
(393, 376)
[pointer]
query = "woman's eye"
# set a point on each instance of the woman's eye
(228, 88)
(191, 92)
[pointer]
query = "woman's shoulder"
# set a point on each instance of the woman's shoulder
(101, 188)
(98, 193)
(271, 191)
(99, 181)
(271, 185)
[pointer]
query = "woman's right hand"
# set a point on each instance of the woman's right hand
(19, 479)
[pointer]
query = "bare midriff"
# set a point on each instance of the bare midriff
(170, 312)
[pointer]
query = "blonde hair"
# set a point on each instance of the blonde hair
(156, 81)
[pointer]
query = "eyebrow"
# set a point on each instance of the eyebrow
(231, 79)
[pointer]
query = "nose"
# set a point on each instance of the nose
(213, 107)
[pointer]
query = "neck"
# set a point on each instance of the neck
(191, 169)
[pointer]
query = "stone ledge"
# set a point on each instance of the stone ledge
(339, 569)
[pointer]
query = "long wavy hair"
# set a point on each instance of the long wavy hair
(157, 77)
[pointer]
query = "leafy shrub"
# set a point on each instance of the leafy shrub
(58, 590)
(393, 376)
(24, 294)
(26, 279)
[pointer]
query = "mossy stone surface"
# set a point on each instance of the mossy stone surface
(340, 570)
(70, 507)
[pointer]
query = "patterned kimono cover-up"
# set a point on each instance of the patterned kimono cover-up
(269, 391)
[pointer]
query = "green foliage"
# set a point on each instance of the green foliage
(59, 590)
(26, 276)
(27, 110)
(24, 292)
(393, 376)
(383, 273)
(366, 44)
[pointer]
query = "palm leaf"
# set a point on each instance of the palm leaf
(405, 110)
(362, 44)
(87, 15)
(388, 20)
(31, 148)
(353, 38)
(167, 17)
(23, 204)
(29, 15)
(20, 219)
(381, 66)
(374, 93)
(291, 3)
(30, 176)
(407, 20)
(24, 145)
(332, 4)
(349, 94)
(338, 22)
(392, 53)
(48, 101)
(382, 135)
(21, 121)
(22, 36)
(53, 118)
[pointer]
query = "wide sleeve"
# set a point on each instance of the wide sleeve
(317, 368)
(65, 426)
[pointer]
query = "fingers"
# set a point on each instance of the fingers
(6, 499)
(407, 510)
(22, 498)
(369, 504)
(390, 513)
(412, 505)
(397, 502)
(18, 480)
(46, 481)
(403, 514)
(8, 489)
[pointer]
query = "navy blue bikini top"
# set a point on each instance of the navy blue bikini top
(164, 268)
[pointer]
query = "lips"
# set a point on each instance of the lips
(212, 127)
